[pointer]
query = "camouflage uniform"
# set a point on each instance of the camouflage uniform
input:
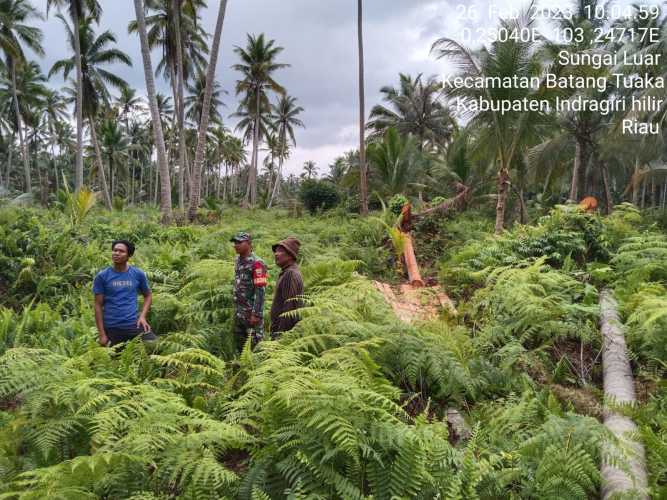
(250, 280)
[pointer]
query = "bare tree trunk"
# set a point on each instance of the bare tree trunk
(664, 194)
(195, 182)
(78, 169)
(609, 202)
(251, 188)
(176, 7)
(579, 155)
(643, 193)
(635, 191)
(19, 126)
(100, 164)
(276, 185)
(503, 189)
(362, 115)
(620, 390)
(155, 185)
(226, 181)
(163, 168)
(9, 160)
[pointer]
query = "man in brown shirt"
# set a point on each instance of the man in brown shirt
(289, 288)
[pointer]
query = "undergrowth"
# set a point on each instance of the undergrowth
(350, 404)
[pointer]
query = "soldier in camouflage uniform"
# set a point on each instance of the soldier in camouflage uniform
(250, 280)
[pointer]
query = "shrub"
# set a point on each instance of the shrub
(318, 195)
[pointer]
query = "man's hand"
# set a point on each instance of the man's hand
(103, 339)
(254, 320)
(141, 322)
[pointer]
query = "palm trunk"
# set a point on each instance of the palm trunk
(578, 160)
(609, 202)
(195, 181)
(363, 188)
(619, 388)
(100, 164)
(635, 191)
(177, 137)
(176, 6)
(19, 126)
(78, 170)
(9, 161)
(643, 193)
(163, 168)
(276, 185)
(503, 189)
(55, 167)
(251, 189)
(226, 181)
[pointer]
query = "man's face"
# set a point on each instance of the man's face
(242, 247)
(281, 256)
(119, 254)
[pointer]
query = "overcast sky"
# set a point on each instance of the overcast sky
(320, 44)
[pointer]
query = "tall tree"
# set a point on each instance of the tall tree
(78, 9)
(257, 67)
(195, 185)
(507, 135)
(284, 116)
(194, 102)
(363, 180)
(165, 183)
(309, 169)
(96, 52)
(414, 108)
(14, 34)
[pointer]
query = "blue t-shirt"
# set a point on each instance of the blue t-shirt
(120, 295)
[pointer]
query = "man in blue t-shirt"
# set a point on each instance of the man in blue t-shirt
(116, 289)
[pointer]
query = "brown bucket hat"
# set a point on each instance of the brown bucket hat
(290, 244)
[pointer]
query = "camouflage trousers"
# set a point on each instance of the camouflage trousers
(243, 329)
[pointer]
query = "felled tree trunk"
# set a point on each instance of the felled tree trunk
(619, 389)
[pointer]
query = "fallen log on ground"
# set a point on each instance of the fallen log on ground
(619, 390)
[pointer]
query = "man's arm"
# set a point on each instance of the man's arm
(142, 322)
(99, 319)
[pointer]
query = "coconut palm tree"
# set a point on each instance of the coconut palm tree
(414, 108)
(28, 89)
(127, 103)
(258, 63)
(195, 185)
(163, 168)
(173, 28)
(309, 169)
(394, 161)
(96, 52)
(195, 101)
(284, 117)
(363, 181)
(233, 156)
(15, 34)
(78, 10)
(55, 111)
(509, 134)
(114, 147)
(584, 17)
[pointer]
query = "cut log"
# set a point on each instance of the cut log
(458, 427)
(411, 263)
(619, 389)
